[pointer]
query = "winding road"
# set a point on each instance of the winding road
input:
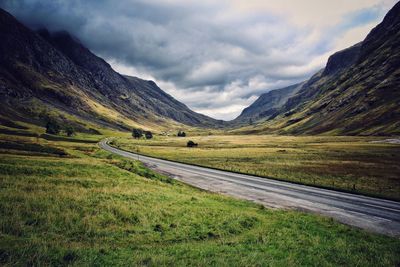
(372, 214)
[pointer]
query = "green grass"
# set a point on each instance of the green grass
(23, 146)
(340, 162)
(94, 208)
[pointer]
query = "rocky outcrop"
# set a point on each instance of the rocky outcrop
(342, 59)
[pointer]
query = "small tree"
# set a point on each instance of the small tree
(69, 130)
(191, 144)
(181, 134)
(137, 133)
(52, 127)
(148, 134)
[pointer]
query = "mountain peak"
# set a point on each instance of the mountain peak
(55, 71)
(388, 29)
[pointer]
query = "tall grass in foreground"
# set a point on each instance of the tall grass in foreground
(92, 208)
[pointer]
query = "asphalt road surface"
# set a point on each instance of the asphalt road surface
(372, 214)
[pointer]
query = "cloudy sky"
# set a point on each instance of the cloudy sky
(215, 56)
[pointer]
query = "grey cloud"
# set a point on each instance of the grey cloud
(203, 48)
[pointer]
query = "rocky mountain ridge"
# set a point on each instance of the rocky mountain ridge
(54, 73)
(357, 93)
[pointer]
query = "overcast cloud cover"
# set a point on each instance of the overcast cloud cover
(215, 56)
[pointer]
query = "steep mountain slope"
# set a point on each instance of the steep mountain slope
(358, 92)
(43, 74)
(267, 104)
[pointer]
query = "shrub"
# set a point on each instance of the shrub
(148, 134)
(137, 133)
(191, 144)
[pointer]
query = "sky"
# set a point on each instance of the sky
(217, 57)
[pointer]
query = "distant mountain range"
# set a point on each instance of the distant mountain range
(46, 75)
(267, 104)
(52, 74)
(357, 93)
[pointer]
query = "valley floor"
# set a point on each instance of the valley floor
(88, 207)
(350, 163)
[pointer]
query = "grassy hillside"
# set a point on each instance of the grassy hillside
(92, 208)
(341, 162)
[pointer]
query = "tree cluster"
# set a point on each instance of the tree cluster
(181, 134)
(69, 130)
(54, 127)
(138, 133)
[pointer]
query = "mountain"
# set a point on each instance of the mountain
(46, 74)
(267, 104)
(357, 93)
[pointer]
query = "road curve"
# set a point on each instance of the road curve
(372, 214)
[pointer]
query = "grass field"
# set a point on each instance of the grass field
(89, 207)
(346, 163)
